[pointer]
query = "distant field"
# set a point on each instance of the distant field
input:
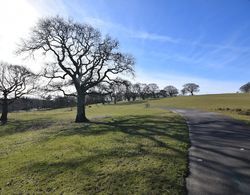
(128, 149)
(234, 105)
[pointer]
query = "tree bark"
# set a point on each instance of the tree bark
(81, 115)
(4, 116)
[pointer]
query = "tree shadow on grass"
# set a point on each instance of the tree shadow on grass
(151, 167)
(18, 126)
(154, 128)
(112, 171)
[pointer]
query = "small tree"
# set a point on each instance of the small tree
(135, 91)
(117, 89)
(171, 90)
(191, 88)
(163, 93)
(128, 90)
(146, 93)
(183, 91)
(15, 82)
(153, 88)
(245, 88)
(102, 92)
(142, 89)
(82, 58)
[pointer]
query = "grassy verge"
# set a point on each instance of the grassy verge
(127, 149)
(234, 105)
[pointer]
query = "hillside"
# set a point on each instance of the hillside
(234, 105)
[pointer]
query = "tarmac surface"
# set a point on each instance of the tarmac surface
(219, 156)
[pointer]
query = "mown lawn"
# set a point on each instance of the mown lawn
(127, 149)
(234, 105)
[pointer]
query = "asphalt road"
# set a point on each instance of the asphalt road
(219, 156)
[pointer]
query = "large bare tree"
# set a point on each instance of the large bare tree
(82, 57)
(15, 82)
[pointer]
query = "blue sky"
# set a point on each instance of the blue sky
(173, 41)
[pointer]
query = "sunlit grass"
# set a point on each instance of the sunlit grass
(127, 149)
(234, 105)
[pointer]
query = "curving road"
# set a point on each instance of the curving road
(219, 156)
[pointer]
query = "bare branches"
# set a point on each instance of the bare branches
(82, 57)
(191, 88)
(80, 52)
(171, 90)
(15, 81)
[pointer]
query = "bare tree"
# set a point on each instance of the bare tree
(98, 94)
(137, 89)
(15, 82)
(142, 89)
(163, 93)
(118, 89)
(82, 57)
(171, 90)
(153, 88)
(245, 88)
(191, 88)
(183, 91)
(128, 90)
(145, 91)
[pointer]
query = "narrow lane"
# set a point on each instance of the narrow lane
(219, 156)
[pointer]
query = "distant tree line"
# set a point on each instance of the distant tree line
(119, 90)
(26, 103)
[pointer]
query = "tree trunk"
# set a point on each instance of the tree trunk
(192, 93)
(81, 116)
(4, 116)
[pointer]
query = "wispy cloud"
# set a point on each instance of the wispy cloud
(62, 8)
(198, 52)
(152, 36)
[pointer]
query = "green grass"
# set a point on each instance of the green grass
(234, 105)
(127, 149)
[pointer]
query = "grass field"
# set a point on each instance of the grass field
(234, 105)
(127, 149)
